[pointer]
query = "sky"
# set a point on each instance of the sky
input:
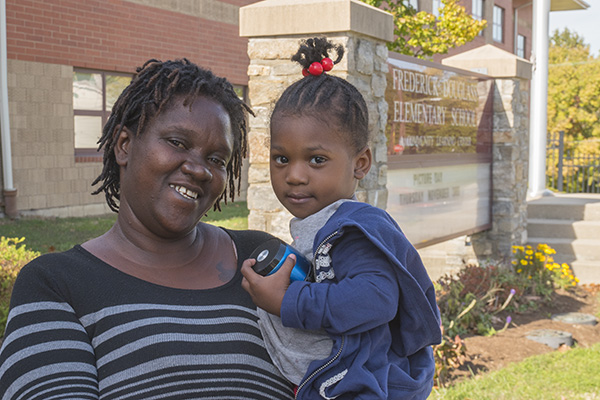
(584, 22)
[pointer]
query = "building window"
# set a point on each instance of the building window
(94, 93)
(521, 46)
(498, 25)
(477, 12)
(436, 4)
(414, 4)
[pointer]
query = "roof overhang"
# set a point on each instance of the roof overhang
(565, 5)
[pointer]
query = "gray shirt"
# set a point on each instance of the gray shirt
(291, 349)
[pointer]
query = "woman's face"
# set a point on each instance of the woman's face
(176, 169)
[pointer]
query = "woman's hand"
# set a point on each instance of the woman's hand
(267, 291)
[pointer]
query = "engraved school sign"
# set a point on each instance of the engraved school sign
(439, 136)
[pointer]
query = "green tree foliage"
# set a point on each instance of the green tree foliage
(573, 87)
(421, 34)
(573, 107)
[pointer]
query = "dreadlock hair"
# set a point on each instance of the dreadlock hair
(325, 96)
(154, 88)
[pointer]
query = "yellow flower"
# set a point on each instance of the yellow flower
(519, 271)
(523, 262)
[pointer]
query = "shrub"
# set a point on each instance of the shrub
(13, 256)
(469, 299)
(449, 354)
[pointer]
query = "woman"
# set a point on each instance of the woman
(152, 309)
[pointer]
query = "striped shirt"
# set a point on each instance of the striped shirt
(81, 329)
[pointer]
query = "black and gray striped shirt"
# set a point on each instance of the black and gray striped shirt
(81, 329)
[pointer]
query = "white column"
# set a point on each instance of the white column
(539, 99)
(4, 121)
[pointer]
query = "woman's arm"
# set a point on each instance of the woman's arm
(46, 351)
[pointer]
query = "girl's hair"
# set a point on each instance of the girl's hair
(325, 96)
(157, 86)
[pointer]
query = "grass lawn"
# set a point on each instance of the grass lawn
(60, 234)
(574, 374)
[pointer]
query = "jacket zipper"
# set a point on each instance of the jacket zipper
(318, 248)
(328, 363)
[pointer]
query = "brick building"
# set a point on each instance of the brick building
(67, 60)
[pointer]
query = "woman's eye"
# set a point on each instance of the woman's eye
(177, 143)
(280, 159)
(318, 160)
(220, 162)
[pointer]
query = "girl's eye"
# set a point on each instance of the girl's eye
(318, 160)
(280, 159)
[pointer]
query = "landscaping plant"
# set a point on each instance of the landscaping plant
(538, 273)
(13, 256)
(470, 300)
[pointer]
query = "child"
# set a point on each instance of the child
(370, 316)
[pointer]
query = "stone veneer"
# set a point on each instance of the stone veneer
(510, 151)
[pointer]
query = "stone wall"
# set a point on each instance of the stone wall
(510, 167)
(510, 151)
(270, 72)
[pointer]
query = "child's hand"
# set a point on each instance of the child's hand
(267, 291)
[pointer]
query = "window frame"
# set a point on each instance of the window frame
(478, 11)
(521, 45)
(498, 24)
(83, 154)
(435, 7)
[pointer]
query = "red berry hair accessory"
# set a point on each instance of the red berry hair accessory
(327, 64)
(317, 68)
(315, 49)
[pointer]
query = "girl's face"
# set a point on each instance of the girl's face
(313, 164)
(176, 169)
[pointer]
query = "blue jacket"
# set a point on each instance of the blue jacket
(378, 305)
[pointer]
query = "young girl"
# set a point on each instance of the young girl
(369, 312)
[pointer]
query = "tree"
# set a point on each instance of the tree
(421, 34)
(573, 87)
(574, 107)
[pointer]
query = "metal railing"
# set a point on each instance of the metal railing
(568, 169)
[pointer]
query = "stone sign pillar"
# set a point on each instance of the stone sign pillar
(274, 29)
(510, 147)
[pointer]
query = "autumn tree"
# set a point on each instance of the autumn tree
(574, 107)
(422, 34)
(573, 87)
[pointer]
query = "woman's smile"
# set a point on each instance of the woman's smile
(185, 192)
